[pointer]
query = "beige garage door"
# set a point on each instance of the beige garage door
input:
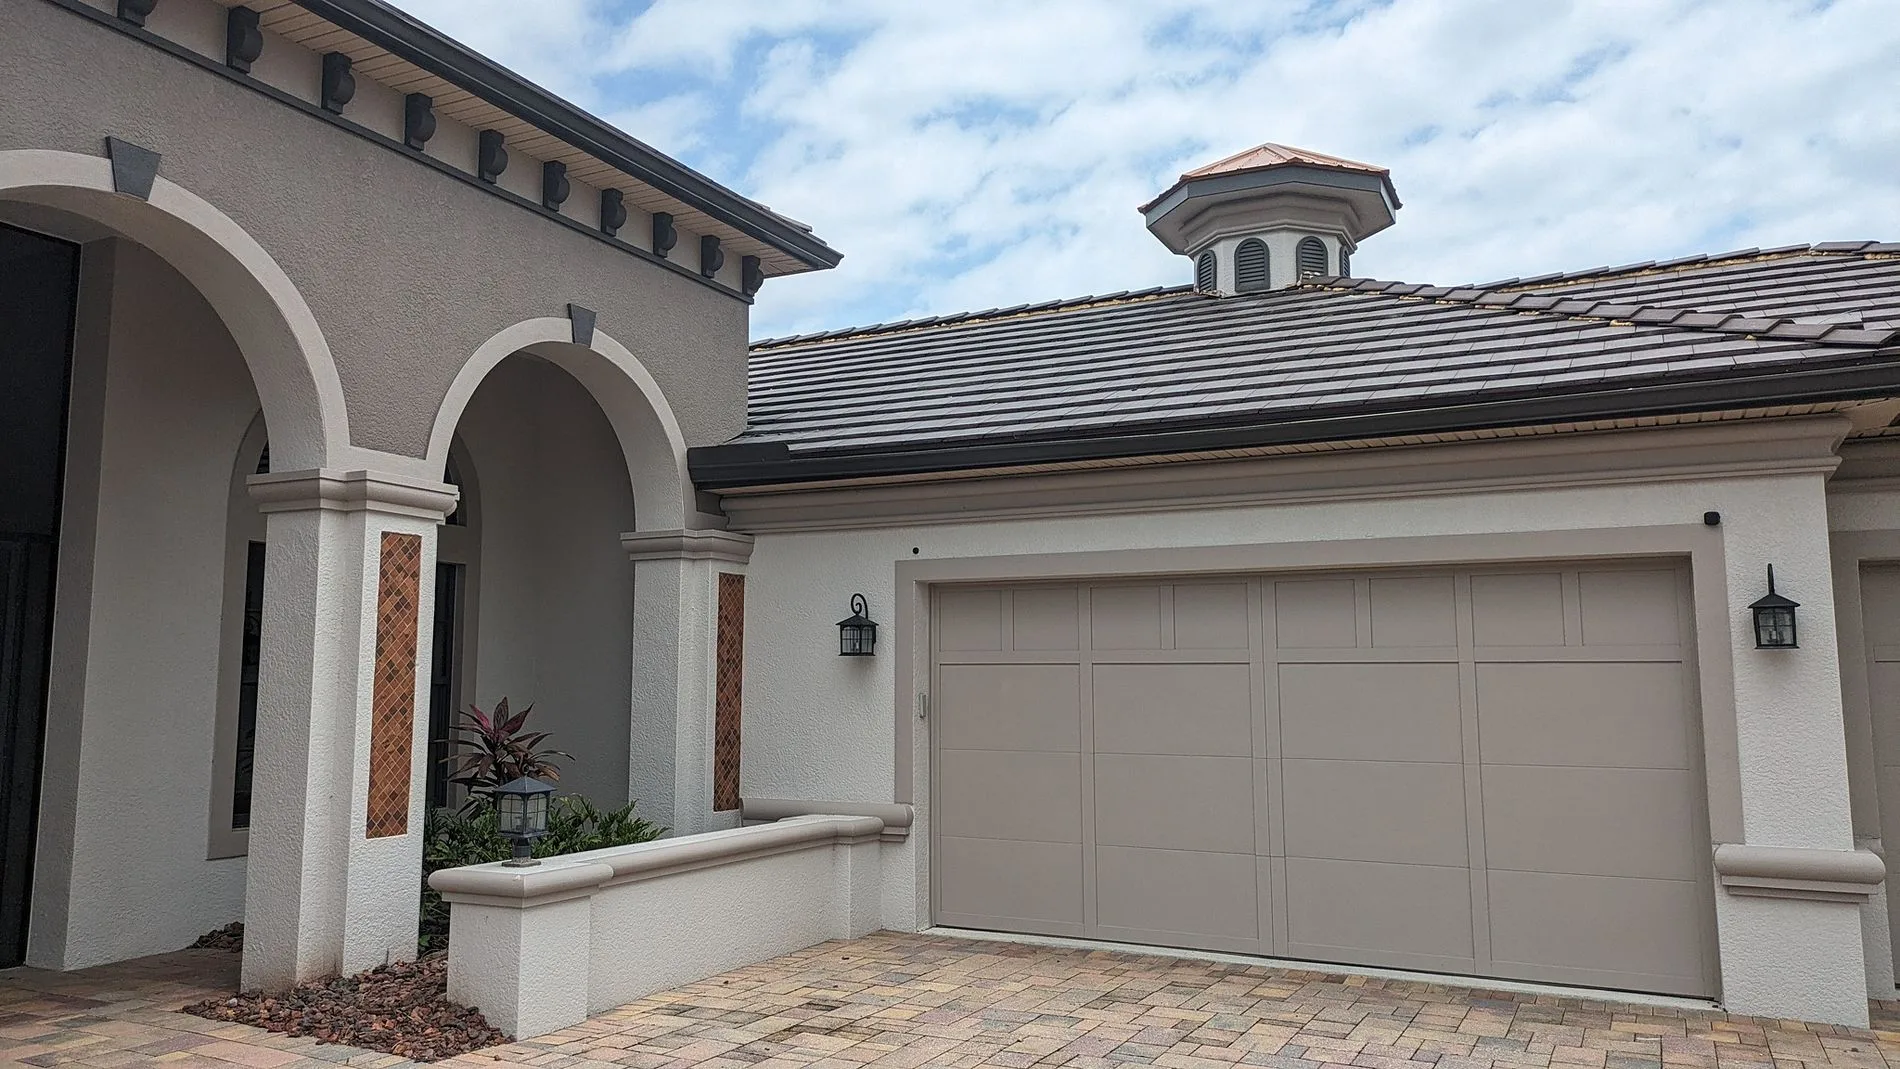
(1492, 773)
(1880, 609)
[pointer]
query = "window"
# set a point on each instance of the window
(1250, 266)
(238, 667)
(1345, 261)
(1205, 272)
(1312, 257)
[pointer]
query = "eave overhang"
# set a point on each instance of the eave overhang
(405, 37)
(1850, 376)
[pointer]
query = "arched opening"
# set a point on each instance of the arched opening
(176, 333)
(553, 623)
(1206, 272)
(1311, 253)
(1251, 266)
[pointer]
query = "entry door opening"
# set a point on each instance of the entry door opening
(39, 279)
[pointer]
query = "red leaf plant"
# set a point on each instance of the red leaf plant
(502, 751)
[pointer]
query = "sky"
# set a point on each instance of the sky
(986, 153)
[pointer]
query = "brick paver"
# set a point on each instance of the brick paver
(910, 1000)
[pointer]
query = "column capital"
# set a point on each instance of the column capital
(687, 545)
(352, 491)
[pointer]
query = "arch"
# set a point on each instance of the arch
(1251, 266)
(1311, 257)
(650, 438)
(1206, 272)
(289, 361)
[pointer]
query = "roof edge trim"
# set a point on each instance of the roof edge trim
(741, 463)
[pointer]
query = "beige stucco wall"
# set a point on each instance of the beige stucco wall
(406, 270)
(556, 590)
(121, 868)
(821, 726)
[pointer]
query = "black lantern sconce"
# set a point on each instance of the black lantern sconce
(857, 633)
(521, 811)
(1774, 619)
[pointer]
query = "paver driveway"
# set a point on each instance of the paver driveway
(909, 1000)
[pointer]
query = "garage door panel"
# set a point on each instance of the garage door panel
(1371, 712)
(1394, 911)
(1315, 614)
(1010, 707)
(969, 621)
(1602, 821)
(1622, 932)
(1628, 714)
(1174, 709)
(997, 794)
(1413, 611)
(1125, 617)
(1181, 891)
(1045, 618)
(1405, 812)
(1188, 803)
(1629, 607)
(1028, 882)
(1211, 616)
(1519, 609)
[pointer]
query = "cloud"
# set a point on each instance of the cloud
(990, 153)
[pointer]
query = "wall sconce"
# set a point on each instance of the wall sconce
(857, 634)
(1774, 619)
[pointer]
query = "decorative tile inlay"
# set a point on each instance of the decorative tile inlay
(393, 698)
(728, 691)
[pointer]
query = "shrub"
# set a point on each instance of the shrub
(453, 838)
(500, 751)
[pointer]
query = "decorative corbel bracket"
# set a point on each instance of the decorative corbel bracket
(613, 211)
(418, 120)
(339, 85)
(491, 158)
(243, 39)
(711, 256)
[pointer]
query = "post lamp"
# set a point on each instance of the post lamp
(1774, 619)
(521, 813)
(857, 634)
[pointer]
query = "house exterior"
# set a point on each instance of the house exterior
(352, 380)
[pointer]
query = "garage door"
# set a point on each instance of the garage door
(1490, 773)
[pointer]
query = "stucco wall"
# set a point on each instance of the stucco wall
(556, 588)
(133, 878)
(821, 726)
(406, 270)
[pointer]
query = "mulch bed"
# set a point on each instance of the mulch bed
(229, 937)
(401, 1009)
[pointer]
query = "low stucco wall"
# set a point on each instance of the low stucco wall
(541, 948)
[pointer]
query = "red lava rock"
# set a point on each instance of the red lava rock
(400, 1009)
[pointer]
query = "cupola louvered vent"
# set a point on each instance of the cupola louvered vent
(1345, 261)
(1205, 272)
(1312, 254)
(1250, 266)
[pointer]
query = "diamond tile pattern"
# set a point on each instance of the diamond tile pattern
(728, 690)
(393, 697)
(919, 1000)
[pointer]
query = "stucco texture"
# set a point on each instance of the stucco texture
(407, 270)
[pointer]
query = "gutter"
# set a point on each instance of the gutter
(759, 464)
(404, 36)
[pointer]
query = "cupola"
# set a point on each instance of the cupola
(1265, 218)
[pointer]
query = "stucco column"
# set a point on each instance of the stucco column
(1788, 894)
(336, 835)
(670, 770)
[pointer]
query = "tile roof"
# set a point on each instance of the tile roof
(1120, 369)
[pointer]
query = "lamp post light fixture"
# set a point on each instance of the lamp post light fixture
(857, 633)
(1774, 619)
(521, 814)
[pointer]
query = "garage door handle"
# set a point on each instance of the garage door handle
(923, 707)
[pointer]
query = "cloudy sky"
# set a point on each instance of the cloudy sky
(990, 152)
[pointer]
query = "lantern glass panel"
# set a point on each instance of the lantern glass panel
(512, 814)
(1774, 627)
(535, 820)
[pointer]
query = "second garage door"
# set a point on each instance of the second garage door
(1491, 773)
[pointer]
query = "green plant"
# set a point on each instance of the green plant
(502, 751)
(453, 838)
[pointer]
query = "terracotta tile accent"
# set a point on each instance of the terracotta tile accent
(393, 697)
(728, 690)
